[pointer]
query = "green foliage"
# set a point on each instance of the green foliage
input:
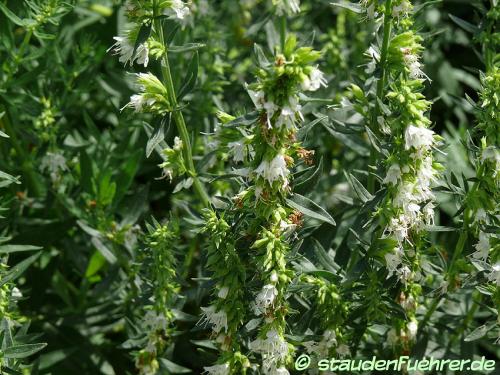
(333, 183)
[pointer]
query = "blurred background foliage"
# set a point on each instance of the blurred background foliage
(86, 188)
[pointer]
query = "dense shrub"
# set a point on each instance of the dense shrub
(222, 186)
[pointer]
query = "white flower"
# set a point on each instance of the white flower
(404, 274)
(402, 9)
(125, 49)
(16, 293)
(274, 277)
(265, 299)
(257, 98)
(287, 6)
(217, 318)
(155, 322)
(180, 9)
(412, 328)
(393, 175)
(270, 109)
(286, 118)
(273, 170)
(281, 371)
(238, 150)
(495, 274)
(482, 247)
(311, 347)
(328, 341)
(399, 228)
(418, 138)
(54, 164)
(428, 212)
(139, 101)
(481, 215)
(252, 324)
(492, 154)
(177, 144)
(393, 260)
(315, 80)
(274, 346)
(408, 303)
(222, 369)
(343, 350)
(223, 292)
(404, 195)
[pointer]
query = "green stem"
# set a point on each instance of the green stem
(283, 32)
(177, 115)
(429, 313)
(383, 62)
(380, 86)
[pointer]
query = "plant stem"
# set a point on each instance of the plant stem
(380, 85)
(283, 32)
(177, 114)
(383, 62)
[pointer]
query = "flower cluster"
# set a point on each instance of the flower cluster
(152, 97)
(157, 322)
(483, 199)
(276, 99)
(226, 314)
(411, 169)
(331, 312)
(407, 208)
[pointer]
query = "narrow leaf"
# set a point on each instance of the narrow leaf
(464, 24)
(309, 208)
(11, 16)
(23, 351)
(8, 249)
(191, 77)
(18, 269)
(356, 8)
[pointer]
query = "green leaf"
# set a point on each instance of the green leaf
(11, 16)
(191, 77)
(479, 332)
(358, 188)
(18, 269)
(155, 139)
(23, 351)
(309, 208)
(96, 262)
(261, 56)
(356, 8)
(464, 24)
(185, 48)
(8, 177)
(309, 181)
(8, 249)
(106, 253)
(173, 368)
(127, 175)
